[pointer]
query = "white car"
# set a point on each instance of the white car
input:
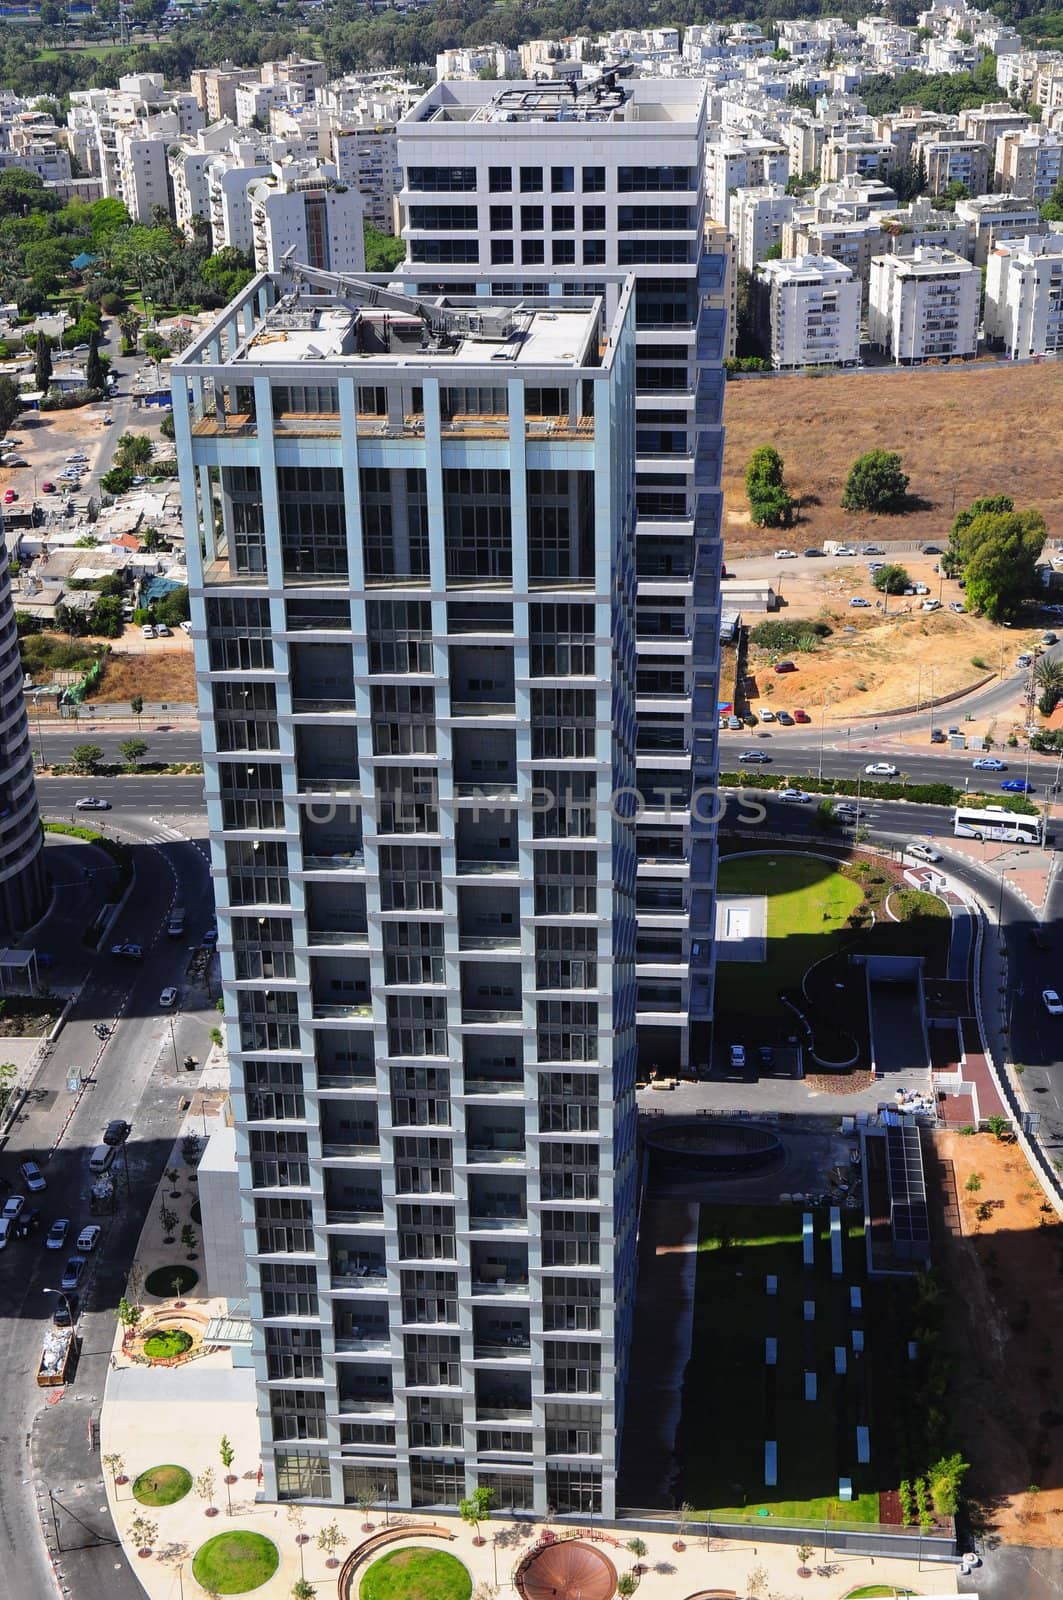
(12, 1206)
(1052, 1003)
(57, 1234)
(989, 764)
(798, 796)
(162, 631)
(88, 1239)
(32, 1177)
(168, 999)
(738, 1055)
(858, 603)
(767, 715)
(923, 852)
(786, 555)
(5, 1231)
(881, 769)
(147, 631)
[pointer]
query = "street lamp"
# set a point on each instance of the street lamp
(66, 1297)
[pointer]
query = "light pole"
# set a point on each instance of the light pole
(66, 1298)
(931, 704)
(173, 1041)
(822, 732)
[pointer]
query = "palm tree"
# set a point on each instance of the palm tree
(1048, 675)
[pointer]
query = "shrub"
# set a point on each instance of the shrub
(800, 634)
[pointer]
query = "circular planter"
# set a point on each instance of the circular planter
(211, 1511)
(678, 1544)
(230, 1477)
(144, 1554)
(235, 1562)
(122, 1478)
(332, 1561)
(160, 1282)
(167, 1344)
(163, 1485)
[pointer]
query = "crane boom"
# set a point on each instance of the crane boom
(493, 322)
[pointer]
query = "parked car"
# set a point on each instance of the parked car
(1017, 786)
(72, 1272)
(32, 1177)
(938, 737)
(931, 550)
(754, 757)
(921, 588)
(5, 1232)
(116, 1132)
(873, 550)
(923, 852)
(813, 550)
(1052, 1003)
(88, 1239)
(989, 764)
(785, 666)
(162, 631)
(858, 603)
(957, 606)
(801, 715)
(784, 718)
(845, 550)
(881, 769)
(786, 555)
(798, 796)
(12, 1206)
(66, 1310)
(738, 1055)
(210, 936)
(47, 487)
(9, 496)
(147, 631)
(168, 998)
(734, 724)
(92, 802)
(128, 952)
(57, 1234)
(767, 714)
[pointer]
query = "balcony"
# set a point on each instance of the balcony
(512, 1288)
(515, 1348)
(345, 1079)
(489, 941)
(342, 861)
(512, 1016)
(469, 867)
(334, 1217)
(492, 1222)
(318, 705)
(353, 1011)
(365, 1277)
(347, 938)
(503, 1414)
(367, 1341)
(483, 708)
(348, 1149)
(513, 1086)
(497, 1155)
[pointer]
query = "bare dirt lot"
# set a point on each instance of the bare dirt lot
(149, 669)
(1002, 1270)
(961, 432)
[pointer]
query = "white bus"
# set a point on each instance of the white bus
(996, 822)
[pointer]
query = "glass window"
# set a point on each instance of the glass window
(532, 252)
(531, 180)
(593, 219)
(563, 252)
(501, 252)
(562, 218)
(594, 252)
(442, 179)
(501, 218)
(531, 219)
(594, 180)
(499, 180)
(302, 1475)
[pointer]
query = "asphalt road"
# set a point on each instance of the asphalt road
(141, 803)
(134, 1075)
(165, 741)
(847, 759)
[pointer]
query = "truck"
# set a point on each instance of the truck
(56, 1358)
(175, 923)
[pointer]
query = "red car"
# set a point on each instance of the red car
(9, 495)
(800, 715)
(47, 487)
(785, 666)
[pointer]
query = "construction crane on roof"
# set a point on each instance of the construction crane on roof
(442, 322)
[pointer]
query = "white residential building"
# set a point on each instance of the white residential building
(469, 63)
(757, 219)
(254, 101)
(230, 175)
(954, 160)
(1024, 296)
(367, 157)
(810, 308)
(189, 179)
(924, 306)
(732, 164)
(1029, 163)
(301, 207)
(990, 217)
(143, 177)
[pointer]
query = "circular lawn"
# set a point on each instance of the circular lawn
(416, 1574)
(234, 1563)
(167, 1343)
(161, 1282)
(162, 1486)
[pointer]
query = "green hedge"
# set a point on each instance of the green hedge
(926, 794)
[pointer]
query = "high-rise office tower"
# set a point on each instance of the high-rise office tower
(543, 189)
(23, 881)
(412, 575)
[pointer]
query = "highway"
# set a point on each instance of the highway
(135, 1075)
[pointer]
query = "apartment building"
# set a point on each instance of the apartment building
(143, 175)
(954, 160)
(804, 137)
(302, 208)
(412, 581)
(23, 881)
(1024, 296)
(215, 89)
(543, 192)
(809, 312)
(732, 164)
(1029, 164)
(230, 175)
(989, 217)
(757, 219)
(924, 306)
(189, 178)
(854, 157)
(304, 73)
(987, 122)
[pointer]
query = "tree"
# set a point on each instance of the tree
(1052, 210)
(626, 1584)
(42, 364)
(383, 251)
(638, 1548)
(805, 1553)
(303, 1589)
(1000, 552)
(204, 1486)
(10, 399)
(169, 1220)
(227, 1453)
(330, 1539)
(128, 1315)
(770, 505)
(366, 1499)
(173, 608)
(94, 367)
(143, 1532)
(119, 480)
(136, 706)
(944, 1480)
(189, 1238)
(86, 757)
(133, 450)
(891, 579)
(474, 1509)
(876, 482)
(132, 751)
(116, 1466)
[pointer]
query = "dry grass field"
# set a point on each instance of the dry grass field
(165, 675)
(961, 432)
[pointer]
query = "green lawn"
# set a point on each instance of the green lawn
(162, 1486)
(808, 903)
(234, 1563)
(167, 1343)
(733, 1402)
(417, 1574)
